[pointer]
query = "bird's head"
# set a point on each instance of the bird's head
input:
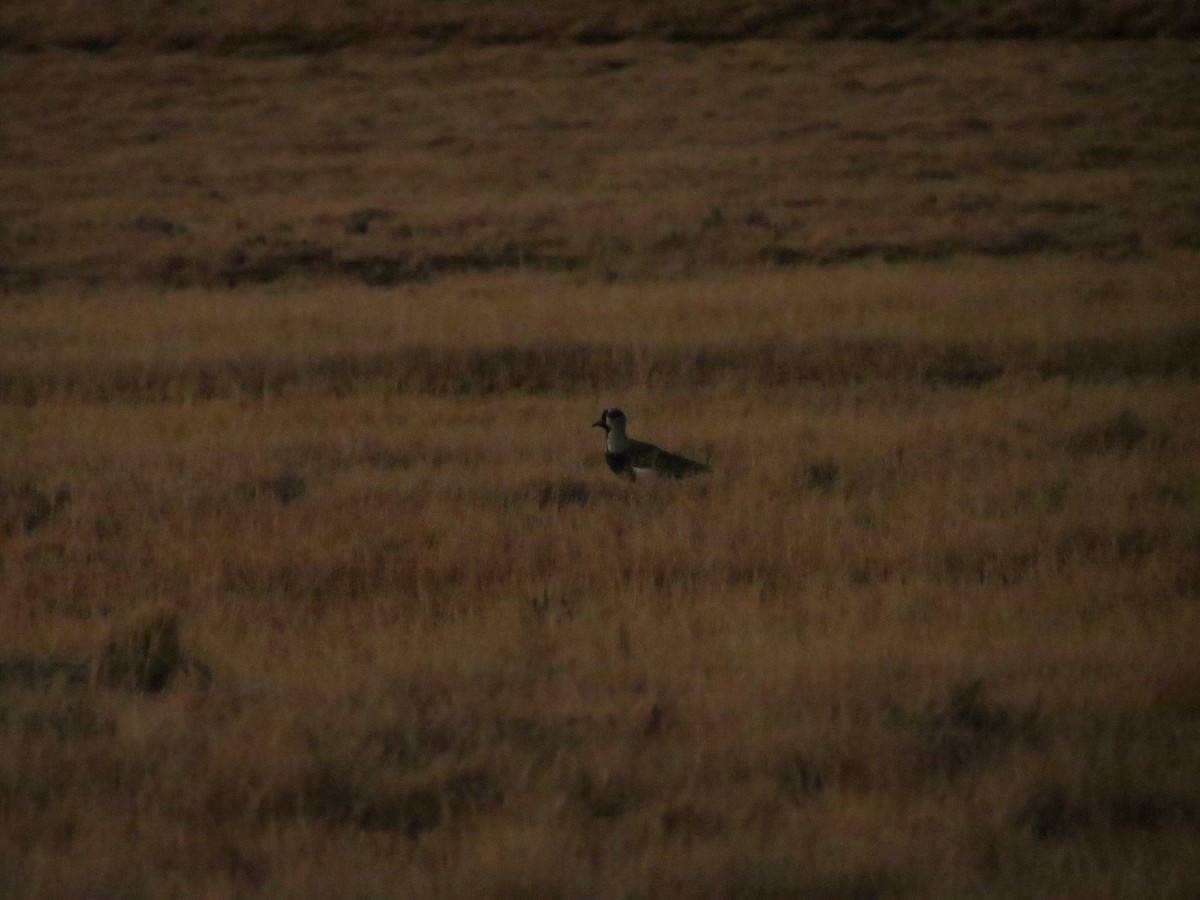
(610, 419)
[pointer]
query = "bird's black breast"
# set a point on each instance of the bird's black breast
(619, 463)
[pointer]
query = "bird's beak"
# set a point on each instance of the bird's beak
(600, 424)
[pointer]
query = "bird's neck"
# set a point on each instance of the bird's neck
(617, 441)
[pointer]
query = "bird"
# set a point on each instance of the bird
(636, 459)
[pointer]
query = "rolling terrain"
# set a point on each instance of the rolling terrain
(313, 580)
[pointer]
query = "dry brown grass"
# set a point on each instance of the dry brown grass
(342, 600)
(627, 162)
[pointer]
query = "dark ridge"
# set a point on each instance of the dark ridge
(262, 260)
(283, 29)
(1174, 355)
(20, 278)
(245, 265)
(32, 671)
(1002, 244)
(492, 370)
(1055, 813)
(540, 368)
(92, 43)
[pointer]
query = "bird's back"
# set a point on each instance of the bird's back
(648, 459)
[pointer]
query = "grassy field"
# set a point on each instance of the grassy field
(313, 581)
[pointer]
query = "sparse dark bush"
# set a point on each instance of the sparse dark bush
(143, 653)
(968, 731)
(1122, 433)
(25, 507)
(1050, 814)
(285, 488)
(822, 475)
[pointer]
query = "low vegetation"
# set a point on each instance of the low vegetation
(313, 580)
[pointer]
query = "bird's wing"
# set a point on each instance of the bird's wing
(648, 456)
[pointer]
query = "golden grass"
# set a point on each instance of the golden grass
(928, 630)
(465, 660)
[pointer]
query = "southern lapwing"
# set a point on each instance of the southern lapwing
(636, 459)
